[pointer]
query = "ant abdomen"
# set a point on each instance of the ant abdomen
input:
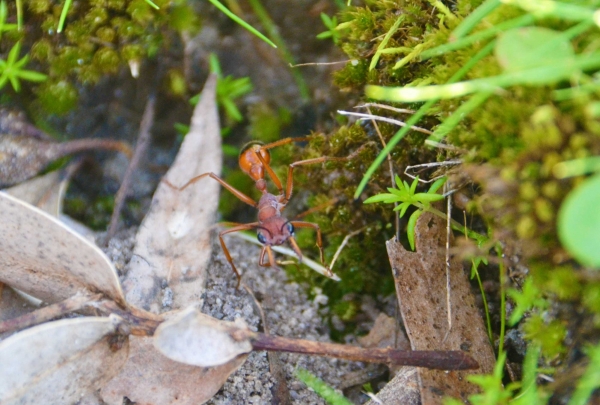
(249, 161)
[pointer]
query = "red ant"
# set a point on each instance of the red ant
(273, 228)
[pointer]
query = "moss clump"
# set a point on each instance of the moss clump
(511, 144)
(99, 37)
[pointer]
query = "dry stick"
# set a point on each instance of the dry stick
(434, 359)
(343, 244)
(362, 116)
(448, 235)
(140, 150)
(41, 315)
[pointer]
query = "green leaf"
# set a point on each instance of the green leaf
(579, 222)
(426, 197)
(410, 228)
(531, 47)
(32, 76)
(377, 198)
(437, 184)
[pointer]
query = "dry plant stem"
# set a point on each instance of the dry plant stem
(140, 150)
(138, 321)
(448, 236)
(362, 116)
(440, 360)
(79, 145)
(391, 164)
(47, 313)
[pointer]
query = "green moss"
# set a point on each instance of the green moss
(57, 98)
(549, 336)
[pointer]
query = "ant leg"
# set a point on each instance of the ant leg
(243, 197)
(261, 262)
(290, 178)
(243, 227)
(302, 224)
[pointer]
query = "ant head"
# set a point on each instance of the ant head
(249, 161)
(275, 231)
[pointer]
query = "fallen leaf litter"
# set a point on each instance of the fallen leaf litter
(290, 313)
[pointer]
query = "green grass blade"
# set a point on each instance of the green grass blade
(474, 18)
(415, 118)
(457, 116)
(63, 15)
(151, 4)
(560, 10)
(19, 14)
(536, 76)
(478, 37)
(384, 42)
(241, 22)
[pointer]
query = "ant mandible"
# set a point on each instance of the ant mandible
(273, 228)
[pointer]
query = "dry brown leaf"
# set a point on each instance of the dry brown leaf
(149, 378)
(194, 338)
(59, 362)
(44, 258)
(172, 249)
(173, 246)
(421, 288)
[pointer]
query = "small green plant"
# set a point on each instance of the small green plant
(321, 388)
(11, 69)
(525, 300)
(407, 196)
(332, 32)
(4, 27)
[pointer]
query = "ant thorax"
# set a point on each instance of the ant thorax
(269, 207)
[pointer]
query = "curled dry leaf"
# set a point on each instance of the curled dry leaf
(173, 245)
(149, 378)
(42, 257)
(197, 339)
(172, 249)
(59, 362)
(421, 288)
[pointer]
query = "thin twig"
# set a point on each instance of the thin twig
(140, 150)
(434, 359)
(47, 313)
(429, 165)
(319, 63)
(344, 242)
(362, 116)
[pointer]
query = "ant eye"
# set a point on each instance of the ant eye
(290, 228)
(261, 238)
